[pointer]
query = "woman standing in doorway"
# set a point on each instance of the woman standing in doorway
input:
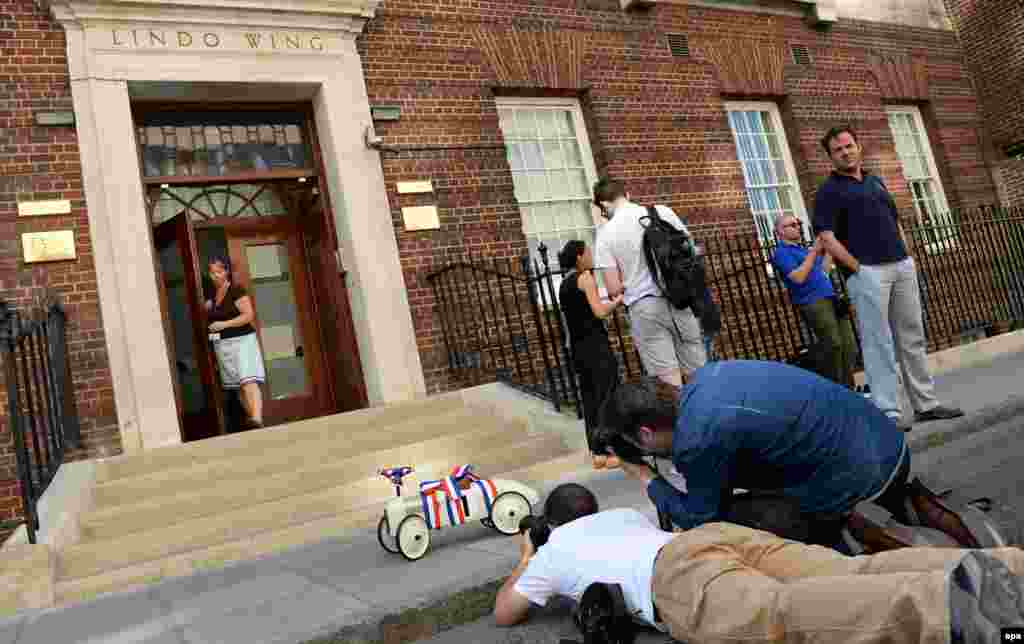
(234, 339)
(584, 315)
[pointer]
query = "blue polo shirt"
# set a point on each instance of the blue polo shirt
(863, 217)
(787, 258)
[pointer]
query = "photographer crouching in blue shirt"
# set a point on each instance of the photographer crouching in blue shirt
(767, 427)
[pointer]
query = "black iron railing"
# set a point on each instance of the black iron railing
(971, 271)
(501, 318)
(41, 411)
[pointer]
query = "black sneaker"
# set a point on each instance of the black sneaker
(939, 413)
(984, 596)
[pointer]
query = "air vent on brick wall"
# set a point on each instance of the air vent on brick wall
(801, 55)
(679, 44)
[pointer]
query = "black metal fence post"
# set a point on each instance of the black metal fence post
(525, 342)
(40, 403)
(9, 332)
(57, 324)
(533, 293)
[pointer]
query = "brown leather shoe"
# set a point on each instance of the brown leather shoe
(872, 536)
(931, 512)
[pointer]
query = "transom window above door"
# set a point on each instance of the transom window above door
(552, 169)
(768, 172)
(218, 144)
(235, 200)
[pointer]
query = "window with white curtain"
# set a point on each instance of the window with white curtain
(919, 169)
(768, 171)
(552, 170)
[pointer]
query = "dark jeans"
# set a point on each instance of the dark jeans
(836, 344)
(598, 375)
(826, 532)
(893, 498)
(781, 515)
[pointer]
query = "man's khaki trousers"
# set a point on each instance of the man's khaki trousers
(727, 583)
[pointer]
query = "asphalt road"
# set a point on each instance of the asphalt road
(988, 463)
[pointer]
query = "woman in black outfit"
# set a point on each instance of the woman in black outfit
(584, 315)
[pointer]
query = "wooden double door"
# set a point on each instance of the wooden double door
(303, 324)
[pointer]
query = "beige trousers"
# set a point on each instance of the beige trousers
(726, 583)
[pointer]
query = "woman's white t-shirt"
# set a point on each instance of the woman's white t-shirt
(613, 547)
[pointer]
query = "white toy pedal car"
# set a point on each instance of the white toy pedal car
(458, 498)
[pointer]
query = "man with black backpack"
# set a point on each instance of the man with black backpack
(647, 254)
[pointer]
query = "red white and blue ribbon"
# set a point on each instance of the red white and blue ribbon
(455, 507)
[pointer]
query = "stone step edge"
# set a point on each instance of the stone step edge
(230, 466)
(90, 521)
(222, 534)
(225, 445)
(142, 574)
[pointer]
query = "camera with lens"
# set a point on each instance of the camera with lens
(538, 529)
(603, 438)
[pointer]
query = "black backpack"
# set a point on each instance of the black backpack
(674, 264)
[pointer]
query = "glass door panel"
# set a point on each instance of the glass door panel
(192, 360)
(273, 294)
(270, 264)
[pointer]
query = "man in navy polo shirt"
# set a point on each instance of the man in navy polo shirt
(805, 274)
(856, 220)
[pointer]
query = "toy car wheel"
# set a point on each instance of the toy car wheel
(413, 537)
(387, 542)
(487, 523)
(508, 510)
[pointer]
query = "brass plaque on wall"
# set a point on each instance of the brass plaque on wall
(48, 246)
(415, 187)
(421, 218)
(37, 208)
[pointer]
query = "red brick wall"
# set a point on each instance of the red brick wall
(655, 120)
(43, 163)
(1010, 180)
(992, 35)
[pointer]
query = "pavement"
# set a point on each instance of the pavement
(351, 587)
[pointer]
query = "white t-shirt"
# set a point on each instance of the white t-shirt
(621, 242)
(612, 547)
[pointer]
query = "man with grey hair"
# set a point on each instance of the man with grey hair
(805, 273)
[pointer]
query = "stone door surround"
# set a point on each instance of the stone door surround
(226, 50)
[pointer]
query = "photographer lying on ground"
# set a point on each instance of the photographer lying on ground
(768, 426)
(724, 583)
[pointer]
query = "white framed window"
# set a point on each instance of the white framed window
(919, 169)
(552, 170)
(768, 171)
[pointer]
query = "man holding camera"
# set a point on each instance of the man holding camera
(768, 426)
(805, 272)
(723, 583)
